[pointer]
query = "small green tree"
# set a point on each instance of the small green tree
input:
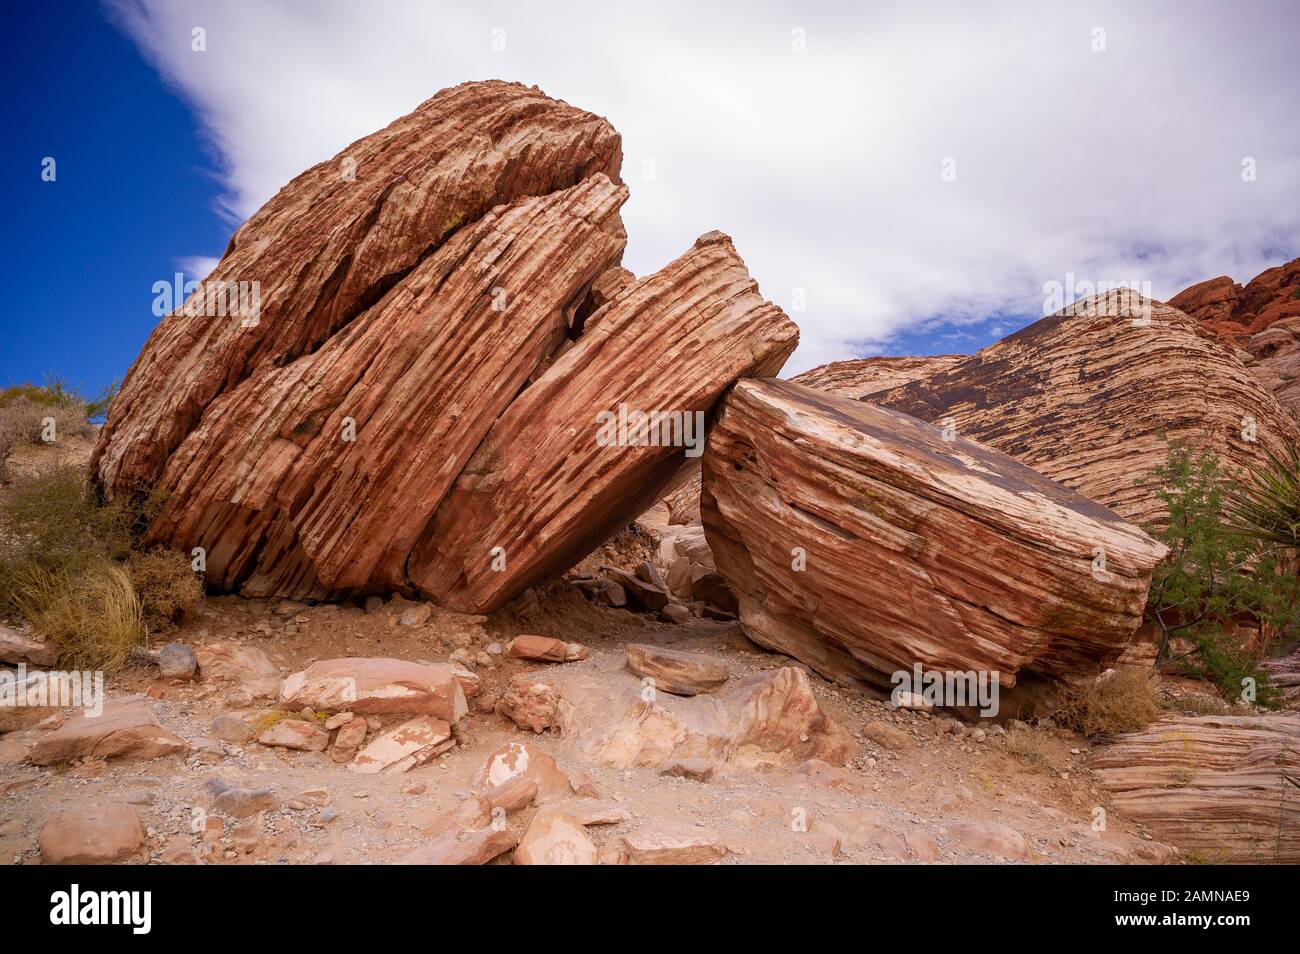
(1213, 577)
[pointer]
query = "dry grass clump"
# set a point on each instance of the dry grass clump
(167, 587)
(94, 617)
(1031, 746)
(67, 564)
(1196, 704)
(1123, 701)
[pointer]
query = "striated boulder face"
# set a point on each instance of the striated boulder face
(1088, 396)
(547, 486)
(1222, 787)
(855, 378)
(415, 407)
(862, 543)
(335, 239)
(1261, 319)
(858, 377)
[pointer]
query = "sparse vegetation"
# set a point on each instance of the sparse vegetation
(1122, 701)
(1214, 578)
(35, 414)
(93, 616)
(1265, 505)
(67, 565)
(1030, 746)
(167, 587)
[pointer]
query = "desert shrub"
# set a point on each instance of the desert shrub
(1214, 576)
(1196, 704)
(53, 523)
(1030, 746)
(1265, 504)
(31, 414)
(1122, 701)
(93, 615)
(167, 587)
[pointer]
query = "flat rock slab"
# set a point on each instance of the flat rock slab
(402, 747)
(520, 760)
(555, 838)
(673, 844)
(377, 685)
(126, 729)
(16, 647)
(864, 543)
(476, 848)
(681, 673)
(100, 835)
(295, 734)
(1220, 787)
(545, 649)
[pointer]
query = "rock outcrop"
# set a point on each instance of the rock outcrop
(859, 377)
(862, 542)
(1221, 787)
(414, 405)
(1261, 319)
(1090, 395)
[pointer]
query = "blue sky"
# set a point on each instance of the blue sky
(815, 137)
(134, 193)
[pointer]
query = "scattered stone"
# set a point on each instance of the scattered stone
(374, 685)
(404, 746)
(351, 734)
(676, 613)
(373, 604)
(477, 848)
(673, 844)
(519, 759)
(416, 615)
(125, 729)
(178, 661)
(887, 736)
(234, 727)
(545, 649)
(295, 734)
(338, 720)
(236, 801)
(16, 647)
(990, 838)
(681, 673)
(555, 838)
(531, 704)
(699, 769)
(99, 835)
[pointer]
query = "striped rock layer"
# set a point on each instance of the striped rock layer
(862, 543)
(1092, 395)
(855, 378)
(432, 323)
(858, 377)
(1224, 788)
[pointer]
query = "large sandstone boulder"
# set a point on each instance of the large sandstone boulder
(415, 405)
(1090, 397)
(1221, 787)
(862, 542)
(1262, 318)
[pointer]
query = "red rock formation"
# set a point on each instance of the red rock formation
(335, 239)
(863, 543)
(858, 377)
(1089, 396)
(1261, 318)
(1221, 787)
(435, 339)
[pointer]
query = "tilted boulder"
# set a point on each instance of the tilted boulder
(862, 542)
(1221, 787)
(414, 406)
(1091, 396)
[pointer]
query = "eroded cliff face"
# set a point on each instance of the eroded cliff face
(442, 316)
(1092, 395)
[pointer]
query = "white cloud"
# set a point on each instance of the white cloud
(196, 267)
(824, 165)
